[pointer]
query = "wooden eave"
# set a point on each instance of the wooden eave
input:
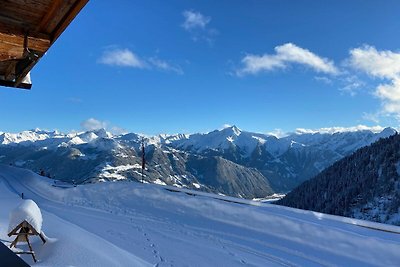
(28, 28)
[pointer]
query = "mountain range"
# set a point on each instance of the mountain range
(227, 161)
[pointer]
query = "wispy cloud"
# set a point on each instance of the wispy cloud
(75, 100)
(382, 65)
(332, 130)
(92, 124)
(323, 79)
(117, 130)
(127, 58)
(374, 117)
(194, 20)
(286, 55)
(164, 65)
(351, 84)
(197, 25)
(225, 125)
(279, 133)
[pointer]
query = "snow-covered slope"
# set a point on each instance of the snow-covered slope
(131, 224)
(67, 244)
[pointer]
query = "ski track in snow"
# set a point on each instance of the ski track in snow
(180, 235)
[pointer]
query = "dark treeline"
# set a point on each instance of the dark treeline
(364, 185)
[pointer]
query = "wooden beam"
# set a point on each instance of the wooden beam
(24, 66)
(10, 71)
(13, 43)
(50, 14)
(58, 15)
(9, 56)
(73, 12)
(26, 86)
(23, 14)
(15, 30)
(8, 20)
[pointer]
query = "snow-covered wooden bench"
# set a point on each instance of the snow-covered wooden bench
(26, 220)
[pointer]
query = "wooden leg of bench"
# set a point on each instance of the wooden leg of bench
(30, 248)
(42, 237)
(14, 243)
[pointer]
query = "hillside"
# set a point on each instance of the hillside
(364, 185)
(152, 225)
(228, 161)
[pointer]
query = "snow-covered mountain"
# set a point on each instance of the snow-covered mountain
(228, 161)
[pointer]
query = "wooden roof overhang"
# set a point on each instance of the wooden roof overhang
(28, 28)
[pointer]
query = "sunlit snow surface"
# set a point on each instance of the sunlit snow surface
(130, 224)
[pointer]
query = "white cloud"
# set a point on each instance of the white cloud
(163, 65)
(278, 133)
(126, 58)
(384, 65)
(117, 130)
(381, 64)
(352, 84)
(225, 125)
(332, 130)
(323, 79)
(194, 20)
(371, 117)
(93, 124)
(121, 57)
(197, 25)
(284, 56)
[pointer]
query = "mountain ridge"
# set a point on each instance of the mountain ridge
(244, 164)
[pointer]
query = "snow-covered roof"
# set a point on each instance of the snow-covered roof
(28, 211)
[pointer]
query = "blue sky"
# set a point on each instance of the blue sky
(193, 66)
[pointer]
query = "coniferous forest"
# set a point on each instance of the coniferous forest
(364, 185)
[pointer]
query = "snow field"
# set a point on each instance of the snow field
(131, 224)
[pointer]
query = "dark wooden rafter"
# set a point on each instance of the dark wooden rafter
(28, 28)
(12, 84)
(67, 19)
(10, 71)
(46, 19)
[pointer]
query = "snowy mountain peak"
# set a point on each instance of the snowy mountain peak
(102, 133)
(90, 136)
(25, 136)
(233, 130)
(388, 131)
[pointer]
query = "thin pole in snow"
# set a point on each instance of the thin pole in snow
(143, 159)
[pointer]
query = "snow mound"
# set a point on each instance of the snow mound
(28, 211)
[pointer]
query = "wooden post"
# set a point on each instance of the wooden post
(143, 160)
